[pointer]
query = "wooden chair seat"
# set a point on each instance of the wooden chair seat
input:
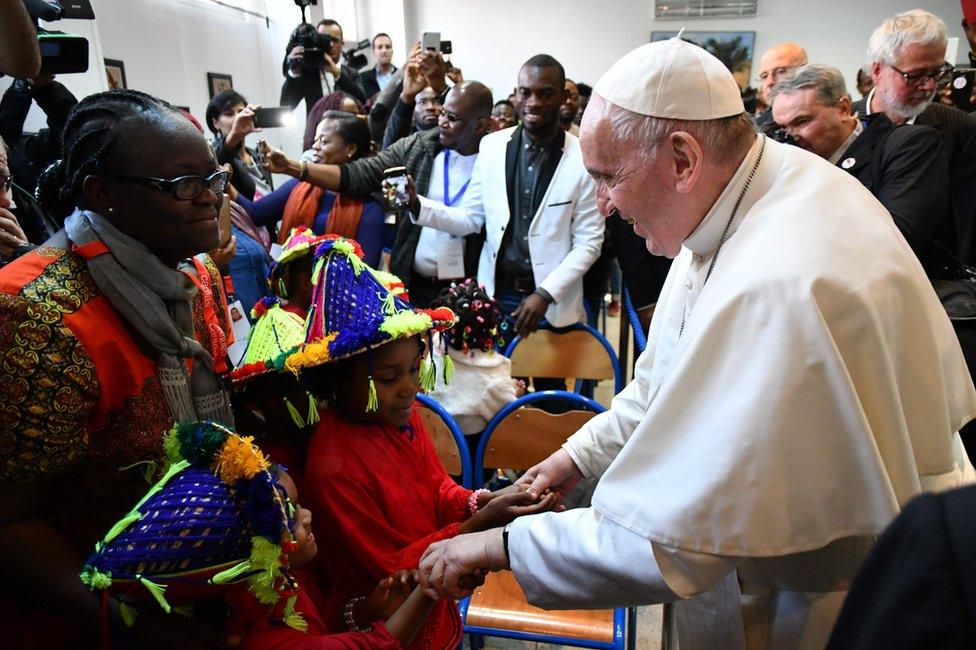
(500, 604)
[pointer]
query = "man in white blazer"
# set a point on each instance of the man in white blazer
(532, 196)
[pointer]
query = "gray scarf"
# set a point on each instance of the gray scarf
(157, 301)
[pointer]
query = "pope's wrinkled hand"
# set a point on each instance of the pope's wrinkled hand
(452, 568)
(557, 473)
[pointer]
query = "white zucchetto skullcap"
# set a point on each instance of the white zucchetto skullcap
(672, 79)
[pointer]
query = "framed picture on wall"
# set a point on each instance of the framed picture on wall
(217, 82)
(115, 71)
(734, 49)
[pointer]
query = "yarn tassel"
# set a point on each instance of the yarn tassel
(448, 368)
(184, 610)
(158, 592)
(389, 305)
(294, 619)
(128, 613)
(296, 417)
(231, 574)
(122, 524)
(313, 411)
(372, 403)
(428, 372)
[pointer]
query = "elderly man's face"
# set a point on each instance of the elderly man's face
(816, 127)
(776, 64)
(900, 96)
(640, 190)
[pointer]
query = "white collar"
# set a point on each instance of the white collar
(707, 236)
(858, 130)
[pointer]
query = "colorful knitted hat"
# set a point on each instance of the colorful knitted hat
(215, 518)
(301, 241)
(276, 334)
(352, 312)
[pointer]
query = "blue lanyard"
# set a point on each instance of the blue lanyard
(448, 200)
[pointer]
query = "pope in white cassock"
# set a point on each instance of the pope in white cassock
(801, 381)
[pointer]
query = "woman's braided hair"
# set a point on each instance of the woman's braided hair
(86, 143)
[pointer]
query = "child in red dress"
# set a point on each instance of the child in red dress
(372, 478)
(223, 522)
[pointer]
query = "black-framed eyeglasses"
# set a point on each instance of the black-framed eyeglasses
(184, 188)
(940, 76)
(451, 117)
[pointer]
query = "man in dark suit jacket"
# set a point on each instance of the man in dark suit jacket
(903, 167)
(917, 588)
(907, 73)
(311, 83)
(376, 78)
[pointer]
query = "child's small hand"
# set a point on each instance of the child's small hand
(389, 594)
(519, 387)
(503, 509)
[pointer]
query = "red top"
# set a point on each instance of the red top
(250, 621)
(379, 497)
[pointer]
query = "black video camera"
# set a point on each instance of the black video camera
(316, 47)
(354, 59)
(61, 53)
(778, 133)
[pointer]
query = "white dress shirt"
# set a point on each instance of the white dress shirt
(437, 245)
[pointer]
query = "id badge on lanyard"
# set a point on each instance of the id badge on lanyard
(450, 248)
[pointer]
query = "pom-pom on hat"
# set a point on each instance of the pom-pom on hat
(215, 518)
(352, 311)
(301, 242)
(671, 79)
(276, 334)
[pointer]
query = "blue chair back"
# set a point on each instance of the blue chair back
(441, 444)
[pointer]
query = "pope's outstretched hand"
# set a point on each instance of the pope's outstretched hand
(557, 473)
(452, 568)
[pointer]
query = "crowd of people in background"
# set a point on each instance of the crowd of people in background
(145, 262)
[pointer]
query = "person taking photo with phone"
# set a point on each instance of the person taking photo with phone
(231, 119)
(440, 161)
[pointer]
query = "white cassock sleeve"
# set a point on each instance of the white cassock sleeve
(599, 441)
(580, 559)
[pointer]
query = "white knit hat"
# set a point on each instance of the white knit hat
(671, 79)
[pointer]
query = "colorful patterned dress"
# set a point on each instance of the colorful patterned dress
(82, 411)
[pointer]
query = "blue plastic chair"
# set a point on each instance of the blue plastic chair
(543, 433)
(549, 355)
(640, 339)
(440, 425)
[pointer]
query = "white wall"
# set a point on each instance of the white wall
(168, 46)
(492, 39)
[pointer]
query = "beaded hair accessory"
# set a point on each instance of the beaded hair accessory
(480, 323)
(353, 311)
(276, 334)
(215, 519)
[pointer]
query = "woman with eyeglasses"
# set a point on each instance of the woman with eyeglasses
(109, 333)
(340, 137)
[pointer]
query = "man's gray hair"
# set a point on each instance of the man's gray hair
(826, 80)
(720, 138)
(916, 26)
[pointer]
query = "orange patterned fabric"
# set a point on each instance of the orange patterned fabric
(83, 400)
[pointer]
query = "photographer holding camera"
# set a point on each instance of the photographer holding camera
(313, 66)
(30, 153)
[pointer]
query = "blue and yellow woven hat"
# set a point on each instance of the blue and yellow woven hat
(216, 518)
(353, 311)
